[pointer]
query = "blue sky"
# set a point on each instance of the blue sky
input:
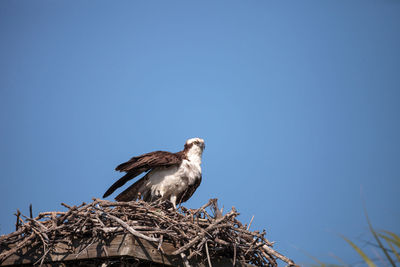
(298, 102)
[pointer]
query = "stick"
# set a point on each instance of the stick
(248, 227)
(234, 254)
(133, 231)
(17, 222)
(208, 256)
(185, 260)
(212, 226)
(278, 255)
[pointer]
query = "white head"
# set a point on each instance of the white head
(194, 148)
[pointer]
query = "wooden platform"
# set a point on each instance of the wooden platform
(120, 250)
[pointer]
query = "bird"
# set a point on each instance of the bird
(170, 176)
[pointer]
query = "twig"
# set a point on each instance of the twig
(17, 222)
(278, 255)
(234, 254)
(185, 260)
(248, 227)
(133, 231)
(208, 256)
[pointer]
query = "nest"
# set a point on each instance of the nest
(203, 233)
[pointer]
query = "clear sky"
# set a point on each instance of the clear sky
(298, 102)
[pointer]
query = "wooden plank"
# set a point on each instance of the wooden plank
(117, 246)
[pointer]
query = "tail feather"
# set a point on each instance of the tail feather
(122, 181)
(132, 192)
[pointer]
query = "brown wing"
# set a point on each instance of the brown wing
(144, 163)
(188, 192)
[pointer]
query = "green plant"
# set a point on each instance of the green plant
(392, 252)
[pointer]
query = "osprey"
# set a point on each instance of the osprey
(172, 176)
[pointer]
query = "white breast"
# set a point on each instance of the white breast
(169, 182)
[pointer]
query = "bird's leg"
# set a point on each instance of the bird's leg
(157, 198)
(157, 201)
(173, 201)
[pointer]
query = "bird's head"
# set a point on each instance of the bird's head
(195, 143)
(194, 149)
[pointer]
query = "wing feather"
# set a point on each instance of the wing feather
(143, 163)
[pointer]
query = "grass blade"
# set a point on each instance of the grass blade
(389, 241)
(396, 238)
(321, 264)
(359, 251)
(339, 260)
(377, 239)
